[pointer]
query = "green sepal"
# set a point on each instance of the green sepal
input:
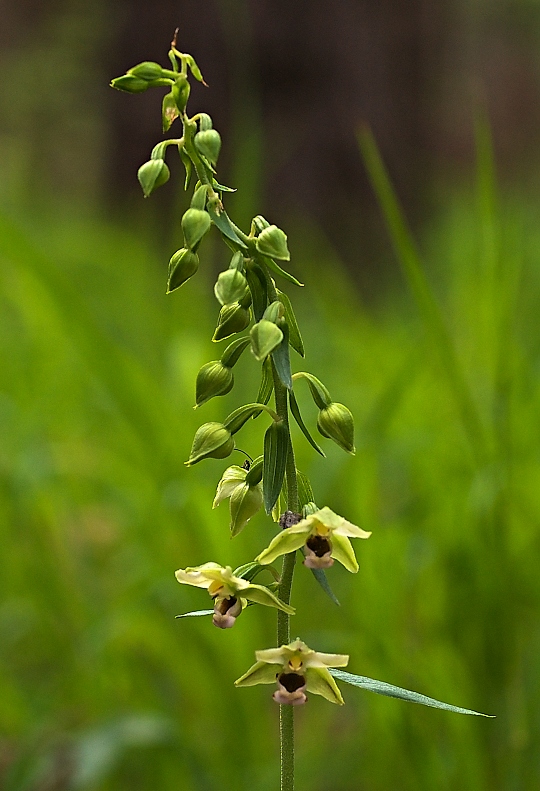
(322, 579)
(183, 265)
(342, 551)
(274, 311)
(254, 475)
(391, 691)
(188, 165)
(205, 122)
(266, 386)
(245, 502)
(271, 264)
(282, 544)
(258, 287)
(195, 613)
(152, 175)
(190, 60)
(295, 339)
(265, 338)
(305, 492)
(232, 353)
(261, 595)
(231, 286)
(195, 224)
(281, 359)
(259, 673)
(272, 242)
(180, 91)
(258, 224)
(148, 70)
(318, 391)
(295, 410)
(236, 419)
(212, 440)
(129, 84)
(169, 112)
(224, 225)
(222, 188)
(320, 682)
(276, 450)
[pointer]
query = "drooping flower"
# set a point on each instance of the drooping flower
(296, 669)
(325, 538)
(244, 488)
(230, 594)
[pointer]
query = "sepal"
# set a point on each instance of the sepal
(211, 441)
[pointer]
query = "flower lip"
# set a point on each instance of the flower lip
(290, 689)
(291, 681)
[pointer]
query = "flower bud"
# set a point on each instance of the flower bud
(147, 71)
(195, 223)
(180, 92)
(231, 287)
(246, 500)
(232, 318)
(169, 111)
(272, 242)
(130, 84)
(152, 175)
(208, 143)
(336, 422)
(214, 379)
(211, 441)
(182, 266)
(265, 337)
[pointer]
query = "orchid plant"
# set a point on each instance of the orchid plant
(251, 301)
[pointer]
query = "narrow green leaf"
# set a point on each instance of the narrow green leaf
(298, 417)
(271, 264)
(318, 391)
(195, 613)
(266, 386)
(295, 339)
(280, 356)
(223, 224)
(259, 289)
(236, 419)
(232, 353)
(222, 187)
(305, 492)
(390, 691)
(186, 160)
(276, 449)
(321, 578)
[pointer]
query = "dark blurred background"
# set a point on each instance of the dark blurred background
(434, 344)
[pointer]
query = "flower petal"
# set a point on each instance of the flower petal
(320, 682)
(197, 575)
(259, 673)
(318, 659)
(342, 550)
(287, 541)
(231, 478)
(261, 595)
(348, 529)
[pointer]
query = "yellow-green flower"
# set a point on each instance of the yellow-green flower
(325, 538)
(230, 594)
(297, 669)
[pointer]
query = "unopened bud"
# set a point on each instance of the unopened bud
(232, 318)
(195, 223)
(214, 379)
(169, 111)
(180, 92)
(231, 286)
(130, 84)
(272, 241)
(336, 422)
(246, 500)
(182, 266)
(208, 143)
(265, 337)
(211, 441)
(147, 71)
(152, 175)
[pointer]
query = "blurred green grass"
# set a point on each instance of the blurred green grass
(100, 688)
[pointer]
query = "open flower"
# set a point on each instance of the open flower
(230, 594)
(295, 668)
(324, 536)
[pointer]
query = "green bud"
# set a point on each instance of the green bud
(147, 71)
(265, 337)
(211, 441)
(169, 111)
(232, 318)
(205, 122)
(195, 223)
(246, 500)
(258, 223)
(273, 243)
(180, 92)
(274, 311)
(231, 287)
(208, 143)
(152, 175)
(336, 422)
(214, 379)
(130, 84)
(182, 266)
